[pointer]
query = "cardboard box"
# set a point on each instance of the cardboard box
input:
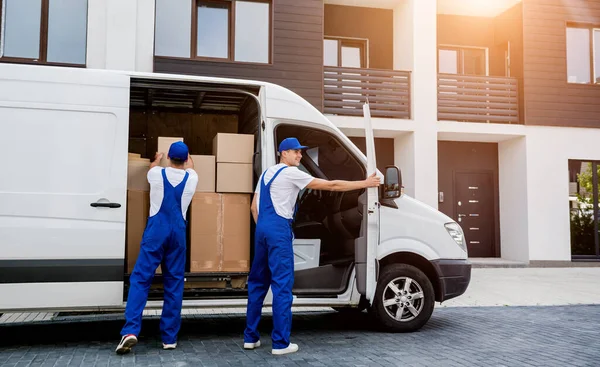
(236, 232)
(205, 167)
(220, 233)
(138, 209)
(233, 148)
(137, 174)
(164, 143)
(205, 227)
(234, 178)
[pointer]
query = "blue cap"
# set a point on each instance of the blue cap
(178, 150)
(290, 143)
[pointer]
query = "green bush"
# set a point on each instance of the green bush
(582, 233)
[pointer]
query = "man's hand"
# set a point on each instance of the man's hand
(373, 180)
(157, 158)
(189, 163)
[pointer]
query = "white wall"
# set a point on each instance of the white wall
(513, 188)
(548, 152)
(121, 35)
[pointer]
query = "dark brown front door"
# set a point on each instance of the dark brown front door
(474, 208)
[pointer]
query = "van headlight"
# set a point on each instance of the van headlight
(457, 234)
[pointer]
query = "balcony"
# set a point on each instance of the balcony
(347, 89)
(480, 61)
(478, 99)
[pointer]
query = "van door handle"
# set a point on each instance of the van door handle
(106, 205)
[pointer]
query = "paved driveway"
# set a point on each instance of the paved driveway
(456, 336)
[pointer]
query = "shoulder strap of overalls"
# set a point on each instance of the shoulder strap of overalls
(187, 174)
(274, 176)
(164, 174)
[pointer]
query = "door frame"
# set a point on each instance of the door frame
(495, 200)
(274, 125)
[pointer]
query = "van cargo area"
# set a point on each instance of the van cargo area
(220, 125)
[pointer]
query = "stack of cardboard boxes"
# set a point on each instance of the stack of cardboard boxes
(138, 205)
(220, 221)
(219, 215)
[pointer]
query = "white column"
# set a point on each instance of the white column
(144, 55)
(121, 28)
(514, 211)
(96, 34)
(415, 45)
(426, 166)
(404, 154)
(424, 71)
(403, 35)
(415, 153)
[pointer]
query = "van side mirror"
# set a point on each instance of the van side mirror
(392, 185)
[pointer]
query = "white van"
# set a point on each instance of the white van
(65, 134)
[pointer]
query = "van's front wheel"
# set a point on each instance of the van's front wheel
(404, 299)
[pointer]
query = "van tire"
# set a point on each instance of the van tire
(419, 283)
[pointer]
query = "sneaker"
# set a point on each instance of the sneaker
(169, 346)
(127, 342)
(292, 348)
(252, 345)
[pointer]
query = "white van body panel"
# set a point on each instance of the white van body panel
(418, 228)
(61, 296)
(65, 146)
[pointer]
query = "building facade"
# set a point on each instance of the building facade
(490, 109)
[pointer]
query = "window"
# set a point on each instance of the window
(584, 209)
(462, 60)
(327, 158)
(345, 52)
(231, 30)
(583, 54)
(43, 31)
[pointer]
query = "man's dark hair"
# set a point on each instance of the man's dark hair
(177, 161)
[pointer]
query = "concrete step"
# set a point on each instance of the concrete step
(495, 262)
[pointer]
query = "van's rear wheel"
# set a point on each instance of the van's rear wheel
(404, 299)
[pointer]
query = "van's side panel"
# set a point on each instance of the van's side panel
(63, 144)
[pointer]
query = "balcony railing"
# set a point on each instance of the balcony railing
(478, 99)
(346, 90)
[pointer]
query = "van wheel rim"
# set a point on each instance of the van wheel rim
(403, 299)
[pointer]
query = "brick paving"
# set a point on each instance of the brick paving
(455, 336)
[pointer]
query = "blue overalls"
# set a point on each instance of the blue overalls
(163, 242)
(273, 265)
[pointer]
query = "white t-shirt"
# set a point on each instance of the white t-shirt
(285, 188)
(174, 176)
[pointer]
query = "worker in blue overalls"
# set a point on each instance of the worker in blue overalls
(273, 209)
(163, 243)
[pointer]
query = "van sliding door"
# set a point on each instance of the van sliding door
(63, 187)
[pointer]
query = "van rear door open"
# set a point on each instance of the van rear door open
(63, 143)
